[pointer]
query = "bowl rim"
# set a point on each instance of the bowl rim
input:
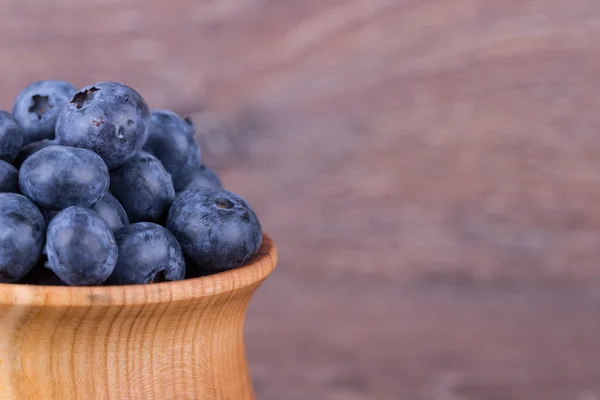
(252, 273)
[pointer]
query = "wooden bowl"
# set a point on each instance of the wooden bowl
(171, 340)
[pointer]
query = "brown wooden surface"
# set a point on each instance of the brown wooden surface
(429, 169)
(177, 340)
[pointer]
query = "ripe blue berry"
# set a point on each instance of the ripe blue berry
(143, 187)
(172, 141)
(21, 236)
(217, 229)
(58, 177)
(112, 212)
(109, 118)
(11, 137)
(203, 176)
(9, 178)
(81, 249)
(37, 107)
(147, 253)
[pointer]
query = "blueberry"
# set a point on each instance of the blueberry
(143, 187)
(109, 118)
(108, 208)
(81, 249)
(112, 212)
(9, 178)
(37, 107)
(171, 140)
(32, 148)
(217, 229)
(202, 177)
(21, 236)
(58, 177)
(147, 253)
(11, 137)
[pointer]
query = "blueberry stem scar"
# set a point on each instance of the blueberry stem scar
(40, 105)
(81, 97)
(224, 203)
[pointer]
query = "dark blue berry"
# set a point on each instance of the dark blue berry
(37, 107)
(143, 187)
(21, 236)
(9, 178)
(112, 212)
(58, 177)
(81, 249)
(32, 148)
(108, 118)
(11, 137)
(147, 253)
(202, 177)
(171, 140)
(217, 229)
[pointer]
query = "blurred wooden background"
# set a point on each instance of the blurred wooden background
(430, 171)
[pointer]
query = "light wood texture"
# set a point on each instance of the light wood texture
(174, 340)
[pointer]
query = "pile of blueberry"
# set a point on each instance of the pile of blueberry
(96, 188)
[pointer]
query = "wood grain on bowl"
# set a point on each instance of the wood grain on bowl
(172, 340)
